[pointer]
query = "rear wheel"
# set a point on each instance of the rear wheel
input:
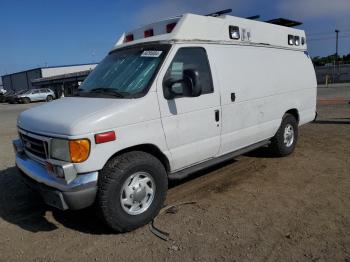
(26, 100)
(131, 190)
(284, 141)
(49, 98)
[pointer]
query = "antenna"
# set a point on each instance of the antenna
(253, 17)
(218, 13)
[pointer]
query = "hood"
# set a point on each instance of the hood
(74, 116)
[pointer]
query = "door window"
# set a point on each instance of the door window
(194, 58)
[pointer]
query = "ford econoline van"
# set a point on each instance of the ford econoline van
(169, 99)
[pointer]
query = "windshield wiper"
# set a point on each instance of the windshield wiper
(108, 91)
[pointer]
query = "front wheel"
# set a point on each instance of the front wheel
(131, 190)
(284, 141)
(49, 98)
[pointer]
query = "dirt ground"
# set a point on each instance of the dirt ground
(253, 208)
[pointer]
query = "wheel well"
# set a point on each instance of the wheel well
(294, 112)
(150, 149)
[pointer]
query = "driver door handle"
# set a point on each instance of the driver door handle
(217, 115)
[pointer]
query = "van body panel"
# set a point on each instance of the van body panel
(266, 83)
(144, 133)
(134, 121)
(76, 116)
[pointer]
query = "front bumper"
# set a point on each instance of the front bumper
(77, 194)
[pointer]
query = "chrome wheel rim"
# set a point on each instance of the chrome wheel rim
(288, 135)
(137, 193)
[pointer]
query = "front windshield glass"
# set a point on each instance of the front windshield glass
(21, 92)
(125, 73)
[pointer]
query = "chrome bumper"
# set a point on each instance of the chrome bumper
(75, 194)
(39, 173)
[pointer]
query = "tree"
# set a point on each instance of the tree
(321, 61)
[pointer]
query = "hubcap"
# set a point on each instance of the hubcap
(137, 193)
(288, 135)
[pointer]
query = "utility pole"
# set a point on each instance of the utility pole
(336, 43)
(336, 54)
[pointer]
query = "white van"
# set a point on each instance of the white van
(169, 99)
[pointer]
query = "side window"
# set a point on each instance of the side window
(194, 58)
(35, 91)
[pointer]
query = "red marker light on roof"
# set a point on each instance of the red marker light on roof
(170, 27)
(105, 137)
(129, 38)
(148, 33)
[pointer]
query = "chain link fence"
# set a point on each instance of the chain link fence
(333, 73)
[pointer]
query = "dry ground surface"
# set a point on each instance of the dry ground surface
(253, 208)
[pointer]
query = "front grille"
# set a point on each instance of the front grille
(35, 146)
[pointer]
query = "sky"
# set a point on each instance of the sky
(41, 33)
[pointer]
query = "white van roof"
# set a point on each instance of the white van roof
(199, 28)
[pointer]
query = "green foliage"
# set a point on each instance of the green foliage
(321, 61)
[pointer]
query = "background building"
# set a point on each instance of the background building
(65, 83)
(59, 78)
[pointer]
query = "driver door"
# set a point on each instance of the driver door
(192, 125)
(42, 94)
(35, 96)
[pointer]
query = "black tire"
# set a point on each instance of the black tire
(278, 145)
(110, 183)
(49, 98)
(26, 100)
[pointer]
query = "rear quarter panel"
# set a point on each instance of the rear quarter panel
(267, 82)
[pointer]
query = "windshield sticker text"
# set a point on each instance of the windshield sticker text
(151, 53)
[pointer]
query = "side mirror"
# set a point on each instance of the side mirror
(188, 86)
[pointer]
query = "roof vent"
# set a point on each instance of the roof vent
(284, 22)
(218, 13)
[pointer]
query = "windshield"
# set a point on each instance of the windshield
(125, 73)
(20, 92)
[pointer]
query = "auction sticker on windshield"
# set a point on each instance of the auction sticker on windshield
(151, 53)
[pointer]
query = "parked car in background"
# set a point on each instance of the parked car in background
(12, 98)
(33, 95)
(4, 97)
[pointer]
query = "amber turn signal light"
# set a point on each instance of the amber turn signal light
(79, 150)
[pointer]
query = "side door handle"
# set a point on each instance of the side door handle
(217, 115)
(233, 97)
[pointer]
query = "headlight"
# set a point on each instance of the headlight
(75, 151)
(60, 149)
